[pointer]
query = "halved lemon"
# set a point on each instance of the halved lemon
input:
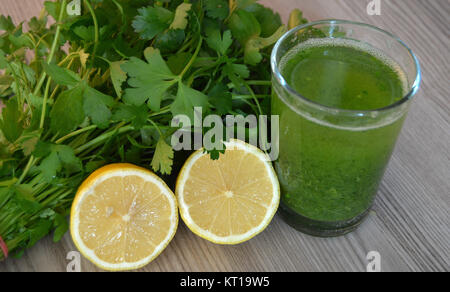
(123, 217)
(229, 200)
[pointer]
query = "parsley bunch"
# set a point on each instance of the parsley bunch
(103, 87)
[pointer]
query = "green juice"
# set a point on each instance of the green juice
(328, 172)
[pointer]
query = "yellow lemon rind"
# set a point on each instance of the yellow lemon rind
(88, 183)
(228, 240)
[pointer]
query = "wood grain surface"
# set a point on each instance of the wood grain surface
(410, 224)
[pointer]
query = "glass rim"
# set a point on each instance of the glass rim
(280, 78)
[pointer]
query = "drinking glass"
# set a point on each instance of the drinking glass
(331, 160)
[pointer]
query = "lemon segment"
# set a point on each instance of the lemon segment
(123, 217)
(229, 200)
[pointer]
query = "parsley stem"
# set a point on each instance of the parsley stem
(52, 96)
(164, 110)
(259, 82)
(58, 32)
(44, 104)
(53, 49)
(157, 127)
(103, 138)
(25, 172)
(183, 48)
(41, 196)
(58, 195)
(254, 97)
(248, 96)
(120, 8)
(66, 58)
(73, 134)
(8, 183)
(104, 59)
(96, 31)
(41, 40)
(232, 5)
(194, 57)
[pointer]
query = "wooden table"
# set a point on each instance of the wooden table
(410, 224)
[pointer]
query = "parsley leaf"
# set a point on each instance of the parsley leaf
(11, 124)
(296, 18)
(221, 99)
(67, 113)
(61, 76)
(24, 198)
(269, 20)
(62, 226)
(244, 3)
(6, 23)
(178, 62)
(50, 166)
(152, 21)
(214, 154)
(252, 49)
(218, 43)
(217, 9)
(86, 33)
(170, 40)
(66, 155)
(29, 144)
(244, 26)
(56, 157)
(118, 76)
(96, 106)
(236, 73)
(40, 229)
(149, 80)
(42, 149)
(188, 98)
(137, 115)
(181, 13)
(163, 158)
(52, 8)
(3, 60)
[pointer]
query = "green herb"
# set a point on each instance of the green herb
(109, 96)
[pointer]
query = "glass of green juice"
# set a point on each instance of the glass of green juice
(342, 91)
